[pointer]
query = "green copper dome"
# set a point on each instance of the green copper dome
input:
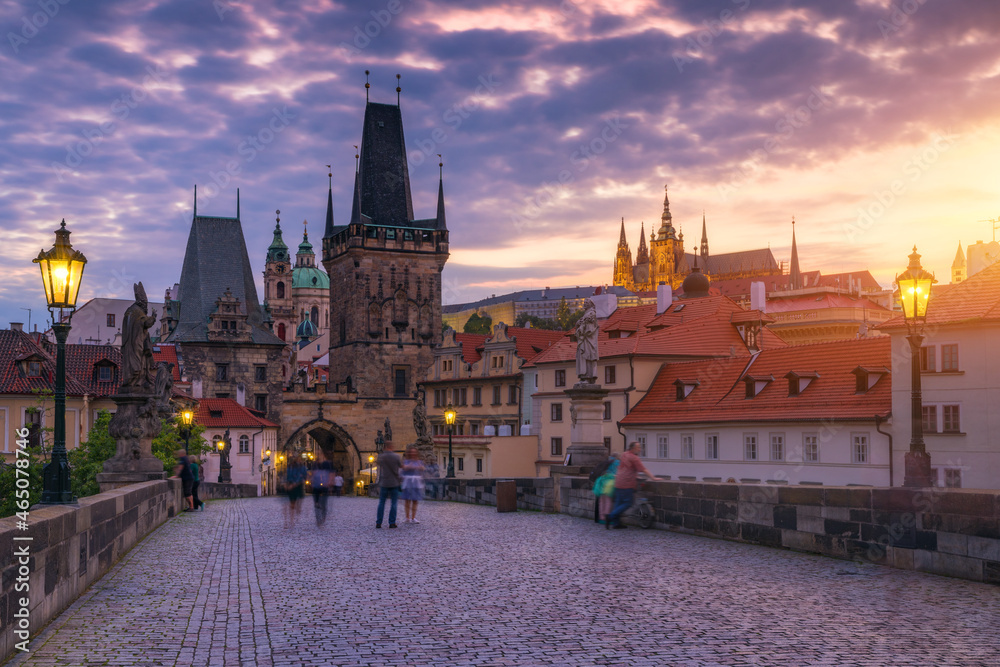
(277, 251)
(310, 276)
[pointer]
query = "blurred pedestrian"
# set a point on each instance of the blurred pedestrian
(433, 479)
(604, 490)
(183, 471)
(320, 481)
(295, 482)
(413, 484)
(626, 481)
(195, 464)
(389, 464)
(338, 484)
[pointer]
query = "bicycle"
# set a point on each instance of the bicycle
(642, 508)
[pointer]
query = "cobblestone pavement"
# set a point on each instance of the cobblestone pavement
(469, 586)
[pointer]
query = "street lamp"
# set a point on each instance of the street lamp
(187, 418)
(371, 465)
(449, 419)
(914, 292)
(62, 269)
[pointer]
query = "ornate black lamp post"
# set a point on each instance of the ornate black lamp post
(187, 418)
(62, 269)
(371, 469)
(914, 292)
(449, 419)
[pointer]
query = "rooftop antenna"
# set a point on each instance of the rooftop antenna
(29, 318)
(237, 203)
(277, 218)
(367, 85)
(398, 90)
(996, 225)
(329, 175)
(440, 167)
(357, 155)
(196, 200)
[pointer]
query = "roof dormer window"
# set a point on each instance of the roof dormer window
(33, 369)
(685, 387)
(756, 383)
(799, 380)
(867, 377)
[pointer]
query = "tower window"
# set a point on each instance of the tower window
(281, 290)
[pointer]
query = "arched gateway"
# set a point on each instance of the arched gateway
(335, 445)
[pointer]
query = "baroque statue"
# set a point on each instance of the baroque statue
(138, 370)
(420, 421)
(586, 344)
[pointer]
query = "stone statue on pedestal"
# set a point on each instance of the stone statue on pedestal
(138, 371)
(424, 442)
(586, 344)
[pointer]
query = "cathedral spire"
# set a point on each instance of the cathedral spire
(642, 254)
(622, 241)
(328, 231)
(704, 236)
(440, 212)
(795, 276)
(666, 207)
(666, 230)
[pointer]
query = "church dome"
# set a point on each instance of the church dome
(695, 285)
(306, 330)
(310, 276)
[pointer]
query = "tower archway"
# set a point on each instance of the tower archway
(335, 445)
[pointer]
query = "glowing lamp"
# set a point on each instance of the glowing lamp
(187, 416)
(915, 289)
(62, 270)
(449, 416)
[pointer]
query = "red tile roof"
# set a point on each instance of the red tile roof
(16, 346)
(863, 279)
(974, 300)
(472, 345)
(81, 361)
(824, 300)
(721, 394)
(701, 327)
(227, 413)
(529, 342)
(168, 353)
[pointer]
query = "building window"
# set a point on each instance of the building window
(951, 423)
(473, 428)
(556, 447)
(111, 320)
(687, 446)
(496, 394)
(607, 411)
(399, 381)
(949, 358)
(953, 478)
(446, 365)
(281, 331)
(927, 358)
(663, 446)
(104, 373)
(458, 396)
(244, 444)
(477, 395)
(33, 422)
(609, 375)
(281, 290)
(712, 447)
(34, 369)
(810, 448)
(560, 378)
(479, 465)
(222, 372)
(512, 394)
(750, 446)
(928, 416)
(461, 463)
(777, 446)
(557, 412)
(260, 373)
(260, 402)
(859, 448)
(607, 444)
(641, 439)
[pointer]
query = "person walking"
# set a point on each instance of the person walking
(626, 481)
(338, 484)
(295, 481)
(196, 474)
(604, 490)
(320, 482)
(389, 464)
(413, 484)
(183, 471)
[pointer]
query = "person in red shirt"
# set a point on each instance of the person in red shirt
(626, 481)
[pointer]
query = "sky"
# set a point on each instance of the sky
(875, 124)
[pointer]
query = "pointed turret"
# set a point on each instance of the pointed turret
(794, 276)
(622, 241)
(277, 251)
(704, 236)
(959, 268)
(666, 230)
(329, 231)
(642, 254)
(441, 224)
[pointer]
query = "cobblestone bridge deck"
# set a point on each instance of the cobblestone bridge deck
(468, 586)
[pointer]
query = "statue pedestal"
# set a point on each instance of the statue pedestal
(133, 426)
(587, 433)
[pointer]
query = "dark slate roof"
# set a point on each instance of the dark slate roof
(735, 262)
(537, 295)
(216, 260)
(383, 174)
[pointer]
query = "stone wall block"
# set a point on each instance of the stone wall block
(757, 534)
(800, 495)
(785, 517)
(811, 524)
(984, 548)
(953, 543)
(798, 540)
(750, 493)
(847, 497)
(757, 513)
(842, 528)
(721, 491)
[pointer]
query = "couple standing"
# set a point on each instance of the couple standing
(394, 474)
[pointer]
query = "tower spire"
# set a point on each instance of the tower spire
(622, 241)
(398, 90)
(328, 230)
(196, 200)
(237, 203)
(642, 254)
(704, 236)
(795, 276)
(367, 86)
(440, 212)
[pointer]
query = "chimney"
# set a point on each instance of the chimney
(241, 394)
(604, 304)
(664, 297)
(196, 388)
(17, 326)
(758, 297)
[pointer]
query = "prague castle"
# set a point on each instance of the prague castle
(665, 260)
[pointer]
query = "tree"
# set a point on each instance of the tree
(9, 482)
(562, 313)
(479, 324)
(524, 319)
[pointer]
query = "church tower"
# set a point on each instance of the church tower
(959, 268)
(278, 286)
(385, 274)
(623, 262)
(665, 249)
(794, 274)
(310, 287)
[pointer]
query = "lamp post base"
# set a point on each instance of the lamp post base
(56, 482)
(917, 469)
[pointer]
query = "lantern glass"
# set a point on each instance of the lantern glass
(187, 416)
(449, 416)
(915, 289)
(62, 271)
